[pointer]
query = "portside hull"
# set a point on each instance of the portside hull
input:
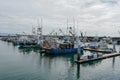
(62, 51)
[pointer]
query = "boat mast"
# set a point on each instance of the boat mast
(74, 26)
(41, 26)
(33, 31)
(39, 31)
(67, 28)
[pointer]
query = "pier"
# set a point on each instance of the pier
(104, 56)
(97, 50)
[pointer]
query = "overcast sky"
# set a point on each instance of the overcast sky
(96, 17)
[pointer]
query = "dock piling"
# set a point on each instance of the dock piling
(78, 55)
(114, 47)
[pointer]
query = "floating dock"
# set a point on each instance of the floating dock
(104, 56)
(97, 50)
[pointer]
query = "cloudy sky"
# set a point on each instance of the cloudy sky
(96, 17)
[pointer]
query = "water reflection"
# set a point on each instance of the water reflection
(92, 63)
(52, 63)
(53, 67)
(58, 63)
(8, 44)
(113, 63)
(78, 71)
(88, 64)
(28, 50)
(66, 57)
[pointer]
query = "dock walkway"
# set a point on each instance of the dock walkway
(97, 50)
(99, 58)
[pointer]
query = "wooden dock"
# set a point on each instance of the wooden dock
(104, 56)
(97, 50)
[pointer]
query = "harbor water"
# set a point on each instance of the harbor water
(28, 64)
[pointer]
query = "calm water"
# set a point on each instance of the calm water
(28, 64)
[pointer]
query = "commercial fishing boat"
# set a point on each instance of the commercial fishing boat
(32, 42)
(56, 46)
(102, 46)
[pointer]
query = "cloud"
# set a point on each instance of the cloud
(93, 16)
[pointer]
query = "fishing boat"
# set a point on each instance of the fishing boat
(61, 51)
(66, 45)
(102, 46)
(56, 46)
(34, 41)
(25, 41)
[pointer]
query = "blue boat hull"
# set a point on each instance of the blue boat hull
(64, 51)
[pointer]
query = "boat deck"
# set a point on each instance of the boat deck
(104, 56)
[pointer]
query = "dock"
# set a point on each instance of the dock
(104, 56)
(97, 50)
